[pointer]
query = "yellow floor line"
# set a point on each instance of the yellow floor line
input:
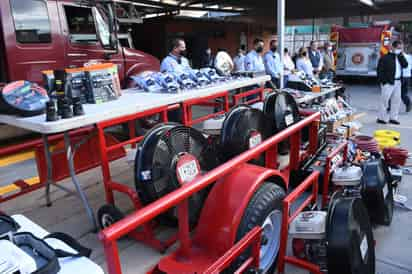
(7, 189)
(32, 181)
(13, 188)
(16, 158)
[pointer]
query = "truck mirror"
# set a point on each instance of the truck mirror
(106, 32)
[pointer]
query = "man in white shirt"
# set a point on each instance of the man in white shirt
(406, 77)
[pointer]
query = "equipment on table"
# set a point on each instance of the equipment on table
(211, 74)
(51, 111)
(300, 82)
(66, 108)
(199, 77)
(168, 82)
(101, 83)
(49, 82)
(75, 81)
(77, 106)
(168, 156)
(185, 81)
(148, 83)
(23, 98)
(340, 240)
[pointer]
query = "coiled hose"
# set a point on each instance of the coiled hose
(366, 143)
(395, 156)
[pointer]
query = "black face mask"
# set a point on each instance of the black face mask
(304, 54)
(274, 49)
(183, 53)
(259, 49)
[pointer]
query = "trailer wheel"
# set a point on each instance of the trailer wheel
(108, 215)
(265, 210)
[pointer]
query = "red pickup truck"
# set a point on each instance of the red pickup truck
(38, 35)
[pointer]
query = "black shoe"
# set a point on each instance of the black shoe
(408, 107)
(394, 122)
(379, 121)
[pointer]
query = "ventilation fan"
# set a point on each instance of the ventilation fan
(282, 110)
(169, 156)
(243, 128)
(350, 246)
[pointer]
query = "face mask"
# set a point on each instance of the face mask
(259, 49)
(273, 49)
(183, 53)
(397, 51)
(304, 54)
(330, 48)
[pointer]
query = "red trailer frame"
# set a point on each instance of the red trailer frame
(179, 197)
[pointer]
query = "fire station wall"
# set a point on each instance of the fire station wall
(154, 36)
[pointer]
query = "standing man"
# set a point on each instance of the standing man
(390, 69)
(176, 60)
(254, 60)
(239, 60)
(406, 77)
(254, 63)
(328, 62)
(272, 63)
(315, 57)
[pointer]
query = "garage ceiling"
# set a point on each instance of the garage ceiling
(295, 9)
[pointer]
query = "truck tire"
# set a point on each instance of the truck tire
(265, 210)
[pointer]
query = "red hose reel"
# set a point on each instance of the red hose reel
(395, 156)
(367, 143)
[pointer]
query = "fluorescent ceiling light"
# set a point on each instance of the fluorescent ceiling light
(367, 2)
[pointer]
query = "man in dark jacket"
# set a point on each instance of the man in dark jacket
(389, 77)
(207, 59)
(315, 57)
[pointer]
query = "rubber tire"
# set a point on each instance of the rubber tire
(267, 198)
(110, 210)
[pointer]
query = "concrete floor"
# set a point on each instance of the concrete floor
(393, 244)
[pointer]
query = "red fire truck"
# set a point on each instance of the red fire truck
(358, 49)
